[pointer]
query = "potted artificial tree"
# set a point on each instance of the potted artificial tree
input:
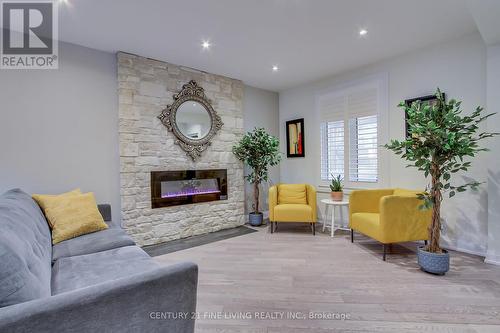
(259, 150)
(441, 138)
(336, 188)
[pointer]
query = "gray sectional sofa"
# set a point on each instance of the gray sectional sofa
(99, 282)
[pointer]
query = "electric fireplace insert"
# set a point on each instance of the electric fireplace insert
(173, 188)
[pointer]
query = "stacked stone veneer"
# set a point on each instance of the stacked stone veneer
(146, 86)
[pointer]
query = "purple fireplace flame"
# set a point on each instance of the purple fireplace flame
(188, 192)
(181, 188)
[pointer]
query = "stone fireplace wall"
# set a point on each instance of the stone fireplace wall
(145, 87)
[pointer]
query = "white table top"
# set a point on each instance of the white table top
(335, 203)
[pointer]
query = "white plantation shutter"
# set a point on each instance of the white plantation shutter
(363, 149)
(349, 133)
(332, 148)
(332, 107)
(332, 136)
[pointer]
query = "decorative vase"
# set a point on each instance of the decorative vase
(435, 263)
(255, 219)
(337, 196)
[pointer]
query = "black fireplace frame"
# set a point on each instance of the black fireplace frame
(157, 177)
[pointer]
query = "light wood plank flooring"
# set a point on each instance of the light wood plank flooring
(292, 271)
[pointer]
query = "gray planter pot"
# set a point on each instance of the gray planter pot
(255, 219)
(435, 263)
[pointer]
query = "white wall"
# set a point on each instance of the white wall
(59, 128)
(261, 109)
(459, 69)
(493, 105)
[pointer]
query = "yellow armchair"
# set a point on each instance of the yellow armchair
(388, 216)
(292, 203)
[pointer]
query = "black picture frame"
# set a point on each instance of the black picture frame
(428, 98)
(295, 138)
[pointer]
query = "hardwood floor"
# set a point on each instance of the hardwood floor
(292, 272)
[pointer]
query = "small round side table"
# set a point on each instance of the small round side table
(339, 204)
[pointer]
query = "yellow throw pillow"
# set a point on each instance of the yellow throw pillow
(292, 194)
(71, 216)
(43, 200)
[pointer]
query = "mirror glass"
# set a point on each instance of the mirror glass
(193, 120)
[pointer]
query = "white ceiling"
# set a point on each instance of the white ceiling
(307, 39)
(486, 13)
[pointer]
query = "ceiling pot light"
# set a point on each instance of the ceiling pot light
(363, 32)
(206, 45)
(275, 68)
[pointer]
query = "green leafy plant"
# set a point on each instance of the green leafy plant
(441, 139)
(259, 150)
(336, 185)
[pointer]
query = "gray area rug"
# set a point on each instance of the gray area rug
(186, 243)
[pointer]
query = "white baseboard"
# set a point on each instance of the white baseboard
(492, 259)
(459, 249)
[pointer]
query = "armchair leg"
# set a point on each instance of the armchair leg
(272, 226)
(352, 236)
(385, 251)
(313, 228)
(425, 242)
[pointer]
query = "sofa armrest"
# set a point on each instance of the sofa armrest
(273, 201)
(105, 210)
(366, 201)
(401, 219)
(311, 201)
(161, 300)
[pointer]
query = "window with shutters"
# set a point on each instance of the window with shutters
(349, 133)
(363, 149)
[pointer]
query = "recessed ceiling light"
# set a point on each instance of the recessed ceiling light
(206, 44)
(363, 32)
(275, 68)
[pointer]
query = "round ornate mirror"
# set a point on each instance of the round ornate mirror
(193, 120)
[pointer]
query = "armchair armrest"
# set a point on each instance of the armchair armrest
(366, 201)
(140, 302)
(311, 201)
(273, 201)
(402, 219)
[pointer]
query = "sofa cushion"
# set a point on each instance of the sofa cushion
(292, 194)
(293, 213)
(77, 272)
(25, 249)
(103, 240)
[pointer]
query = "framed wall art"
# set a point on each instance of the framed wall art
(295, 143)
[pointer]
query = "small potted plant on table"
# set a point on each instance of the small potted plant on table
(336, 187)
(441, 138)
(259, 150)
